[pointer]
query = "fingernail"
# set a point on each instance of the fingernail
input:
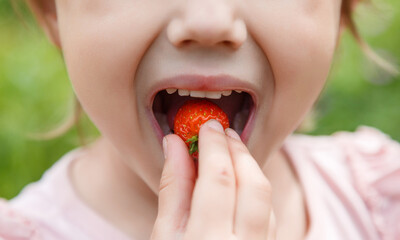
(231, 133)
(165, 146)
(214, 124)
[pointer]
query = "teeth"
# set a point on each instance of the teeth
(201, 94)
(183, 92)
(226, 93)
(213, 95)
(171, 90)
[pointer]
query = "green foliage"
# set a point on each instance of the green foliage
(35, 94)
(349, 99)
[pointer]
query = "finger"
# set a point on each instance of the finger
(253, 206)
(214, 194)
(176, 187)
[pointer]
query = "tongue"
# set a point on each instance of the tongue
(230, 105)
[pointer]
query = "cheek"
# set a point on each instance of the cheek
(300, 61)
(102, 53)
(299, 45)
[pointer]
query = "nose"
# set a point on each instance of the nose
(207, 23)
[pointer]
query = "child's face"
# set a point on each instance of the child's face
(120, 54)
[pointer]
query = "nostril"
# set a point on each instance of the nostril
(207, 27)
(227, 43)
(186, 42)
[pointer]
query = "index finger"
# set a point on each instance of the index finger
(254, 203)
(213, 202)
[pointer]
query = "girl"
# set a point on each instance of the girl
(132, 64)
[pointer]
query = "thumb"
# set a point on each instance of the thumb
(176, 188)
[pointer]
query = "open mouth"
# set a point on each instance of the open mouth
(237, 104)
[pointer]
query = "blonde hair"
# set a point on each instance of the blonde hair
(76, 113)
(347, 10)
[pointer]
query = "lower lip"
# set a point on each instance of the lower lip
(244, 136)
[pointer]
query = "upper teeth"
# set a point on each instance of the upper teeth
(201, 94)
(171, 90)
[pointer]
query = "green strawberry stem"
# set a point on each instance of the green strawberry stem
(193, 146)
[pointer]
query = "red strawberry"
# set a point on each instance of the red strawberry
(191, 116)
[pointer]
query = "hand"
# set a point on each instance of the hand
(230, 199)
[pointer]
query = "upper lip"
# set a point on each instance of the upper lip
(203, 83)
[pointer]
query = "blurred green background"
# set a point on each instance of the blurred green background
(35, 93)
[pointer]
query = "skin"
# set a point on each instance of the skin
(117, 51)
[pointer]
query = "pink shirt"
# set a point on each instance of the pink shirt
(351, 183)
